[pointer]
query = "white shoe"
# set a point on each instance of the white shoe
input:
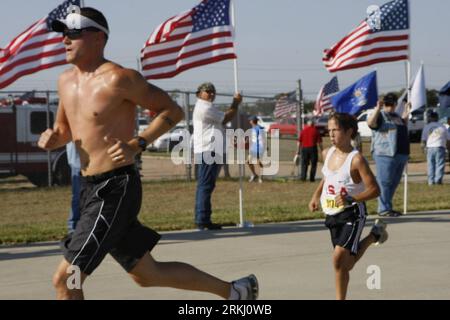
(246, 287)
(252, 178)
(379, 231)
(260, 179)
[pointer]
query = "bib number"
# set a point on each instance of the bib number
(329, 205)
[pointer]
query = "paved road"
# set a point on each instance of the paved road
(292, 261)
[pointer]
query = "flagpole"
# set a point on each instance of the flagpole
(242, 224)
(408, 87)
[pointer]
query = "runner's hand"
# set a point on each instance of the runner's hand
(48, 140)
(314, 204)
(120, 152)
(340, 200)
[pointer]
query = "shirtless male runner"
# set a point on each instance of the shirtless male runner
(97, 108)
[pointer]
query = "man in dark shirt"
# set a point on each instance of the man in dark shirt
(307, 146)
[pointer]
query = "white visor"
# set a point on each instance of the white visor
(76, 21)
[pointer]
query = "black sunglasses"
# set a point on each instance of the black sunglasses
(74, 34)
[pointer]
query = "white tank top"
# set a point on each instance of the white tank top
(338, 182)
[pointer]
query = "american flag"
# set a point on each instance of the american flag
(286, 105)
(191, 39)
(382, 37)
(35, 49)
(323, 103)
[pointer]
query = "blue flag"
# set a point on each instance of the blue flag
(360, 96)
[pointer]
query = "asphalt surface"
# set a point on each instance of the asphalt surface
(291, 260)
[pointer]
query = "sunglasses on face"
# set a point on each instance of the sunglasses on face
(210, 92)
(74, 34)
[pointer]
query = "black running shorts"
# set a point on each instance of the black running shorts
(109, 206)
(346, 227)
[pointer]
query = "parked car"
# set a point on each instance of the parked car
(363, 128)
(321, 123)
(266, 122)
(287, 127)
(170, 139)
(415, 125)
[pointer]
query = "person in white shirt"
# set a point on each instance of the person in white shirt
(209, 149)
(347, 183)
(257, 148)
(435, 138)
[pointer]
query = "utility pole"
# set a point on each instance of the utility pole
(300, 110)
(187, 143)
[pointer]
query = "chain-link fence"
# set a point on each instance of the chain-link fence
(25, 115)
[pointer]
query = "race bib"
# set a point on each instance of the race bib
(329, 205)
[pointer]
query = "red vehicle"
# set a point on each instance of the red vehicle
(287, 127)
(20, 129)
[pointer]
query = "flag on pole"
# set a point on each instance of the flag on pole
(191, 39)
(444, 96)
(360, 96)
(286, 105)
(418, 91)
(35, 49)
(323, 103)
(382, 37)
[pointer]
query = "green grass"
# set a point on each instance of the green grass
(288, 147)
(39, 214)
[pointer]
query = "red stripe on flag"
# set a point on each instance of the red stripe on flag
(29, 59)
(30, 71)
(368, 53)
(191, 65)
(370, 62)
(187, 43)
(187, 55)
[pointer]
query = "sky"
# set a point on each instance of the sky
(278, 42)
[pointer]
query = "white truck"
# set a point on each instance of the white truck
(416, 124)
(20, 129)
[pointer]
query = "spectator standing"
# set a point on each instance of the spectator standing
(435, 138)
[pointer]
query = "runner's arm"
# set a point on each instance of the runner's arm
(140, 92)
(61, 134)
(314, 204)
(371, 190)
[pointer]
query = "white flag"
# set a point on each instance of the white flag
(418, 91)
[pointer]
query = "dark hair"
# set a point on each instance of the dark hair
(96, 16)
(390, 99)
(345, 121)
